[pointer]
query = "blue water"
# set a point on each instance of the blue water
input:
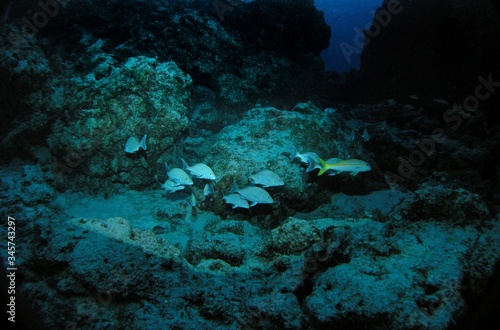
(344, 16)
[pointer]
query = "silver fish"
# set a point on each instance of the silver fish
(171, 186)
(366, 136)
(236, 200)
(178, 176)
(310, 158)
(133, 144)
(254, 195)
(208, 189)
(266, 178)
(441, 101)
(200, 171)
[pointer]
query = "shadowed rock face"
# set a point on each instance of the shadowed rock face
(268, 47)
(433, 49)
(293, 26)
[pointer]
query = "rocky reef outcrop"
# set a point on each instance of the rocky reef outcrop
(86, 82)
(264, 138)
(162, 266)
(140, 97)
(239, 47)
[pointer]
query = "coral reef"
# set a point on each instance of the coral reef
(264, 138)
(226, 274)
(141, 97)
(413, 243)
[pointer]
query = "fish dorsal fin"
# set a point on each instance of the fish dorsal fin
(249, 174)
(235, 188)
(184, 164)
(294, 153)
(333, 160)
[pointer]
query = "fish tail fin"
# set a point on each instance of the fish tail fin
(211, 188)
(324, 167)
(143, 142)
(166, 167)
(235, 187)
(294, 153)
(312, 165)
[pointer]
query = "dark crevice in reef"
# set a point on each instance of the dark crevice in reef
(432, 49)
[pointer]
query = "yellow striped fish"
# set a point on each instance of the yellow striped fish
(337, 165)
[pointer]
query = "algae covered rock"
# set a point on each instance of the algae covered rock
(25, 188)
(24, 70)
(265, 138)
(454, 206)
(226, 243)
(142, 96)
(406, 288)
(294, 236)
